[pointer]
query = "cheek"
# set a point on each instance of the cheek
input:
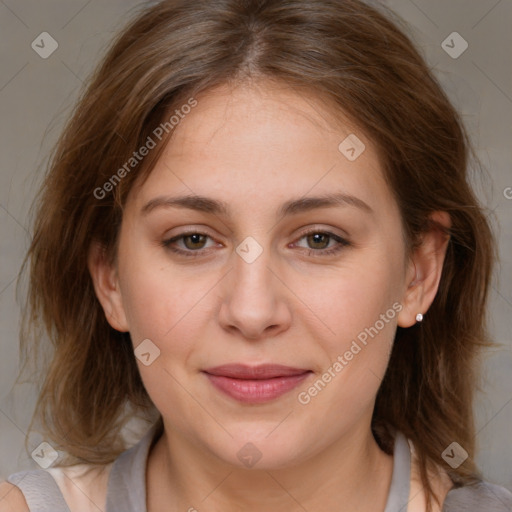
(162, 303)
(169, 310)
(352, 298)
(359, 310)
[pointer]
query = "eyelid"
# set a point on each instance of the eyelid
(190, 231)
(342, 242)
(169, 240)
(323, 229)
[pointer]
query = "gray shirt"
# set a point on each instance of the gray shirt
(126, 490)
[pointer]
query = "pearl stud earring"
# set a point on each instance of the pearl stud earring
(419, 317)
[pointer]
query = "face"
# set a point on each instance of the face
(295, 257)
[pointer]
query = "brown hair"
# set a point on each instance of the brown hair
(346, 51)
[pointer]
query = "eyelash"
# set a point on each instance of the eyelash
(342, 243)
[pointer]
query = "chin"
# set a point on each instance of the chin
(262, 451)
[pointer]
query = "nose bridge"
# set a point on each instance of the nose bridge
(251, 274)
(252, 302)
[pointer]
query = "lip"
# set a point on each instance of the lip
(255, 384)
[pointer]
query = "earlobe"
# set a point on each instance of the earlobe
(106, 287)
(425, 270)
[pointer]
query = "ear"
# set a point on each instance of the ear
(424, 270)
(106, 286)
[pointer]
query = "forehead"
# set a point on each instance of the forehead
(258, 112)
(265, 143)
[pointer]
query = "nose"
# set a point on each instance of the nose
(255, 302)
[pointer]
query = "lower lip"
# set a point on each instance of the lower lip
(256, 391)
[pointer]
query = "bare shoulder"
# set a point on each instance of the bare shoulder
(12, 499)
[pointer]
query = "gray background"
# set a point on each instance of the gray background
(36, 95)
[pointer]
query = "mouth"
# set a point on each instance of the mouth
(255, 384)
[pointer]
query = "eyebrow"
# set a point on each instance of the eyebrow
(294, 206)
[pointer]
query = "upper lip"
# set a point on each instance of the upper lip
(262, 371)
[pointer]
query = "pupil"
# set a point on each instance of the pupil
(317, 238)
(195, 239)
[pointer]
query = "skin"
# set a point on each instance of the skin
(255, 147)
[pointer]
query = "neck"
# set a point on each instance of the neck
(183, 476)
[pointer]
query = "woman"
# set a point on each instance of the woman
(257, 231)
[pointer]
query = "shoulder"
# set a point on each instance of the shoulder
(12, 499)
(439, 480)
(83, 486)
(79, 487)
(38, 489)
(476, 497)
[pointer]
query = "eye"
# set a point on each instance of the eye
(319, 241)
(193, 243)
